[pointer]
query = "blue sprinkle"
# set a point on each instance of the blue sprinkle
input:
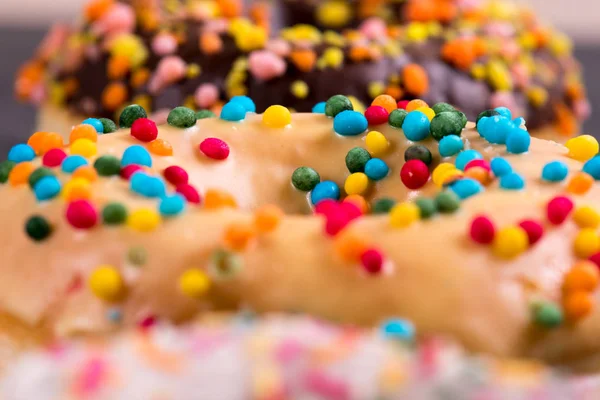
(518, 122)
(319, 108)
(592, 167)
(71, 163)
(376, 169)
(555, 171)
(350, 123)
(505, 112)
(137, 155)
(518, 141)
(20, 153)
(416, 126)
(465, 157)
(465, 188)
(147, 186)
(500, 167)
(450, 145)
(245, 102)
(325, 190)
(95, 123)
(512, 181)
(172, 205)
(398, 329)
(233, 111)
(47, 188)
(495, 129)
(114, 315)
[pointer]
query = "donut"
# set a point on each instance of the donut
(204, 53)
(275, 358)
(464, 229)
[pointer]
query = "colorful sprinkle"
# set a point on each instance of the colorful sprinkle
(512, 181)
(376, 143)
(71, 163)
(147, 186)
(106, 283)
(305, 179)
(114, 214)
(350, 123)
(94, 123)
(357, 159)
(376, 115)
(277, 117)
(38, 228)
(555, 171)
(144, 130)
(325, 190)
(21, 153)
(47, 188)
(337, 104)
(482, 230)
(170, 206)
(450, 145)
(107, 165)
(533, 229)
(54, 158)
(376, 169)
(405, 214)
(130, 114)
(414, 174)
(447, 202)
(143, 220)
(416, 126)
(446, 124)
(81, 214)
(583, 148)
(510, 242)
(518, 141)
(194, 283)
(465, 157)
(182, 117)
(214, 148)
(558, 209)
(418, 152)
(84, 147)
(137, 155)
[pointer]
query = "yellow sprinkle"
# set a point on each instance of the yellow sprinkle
(560, 45)
(416, 32)
(106, 283)
(537, 95)
(375, 89)
(334, 39)
(77, 189)
(510, 242)
(193, 71)
(302, 33)
(194, 283)
(84, 147)
(434, 28)
(57, 93)
(277, 117)
(586, 243)
(299, 89)
(443, 172)
(357, 183)
(376, 143)
(427, 111)
(190, 102)
(131, 47)
(334, 13)
(250, 38)
(404, 214)
(333, 57)
(527, 41)
(143, 220)
(357, 104)
(586, 217)
(478, 71)
(499, 76)
(144, 101)
(583, 148)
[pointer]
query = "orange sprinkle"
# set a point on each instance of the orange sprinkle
(70, 85)
(421, 10)
(415, 104)
(584, 276)
(394, 91)
(304, 60)
(83, 132)
(267, 218)
(118, 67)
(27, 78)
(359, 53)
(20, 173)
(479, 46)
(577, 305)
(575, 90)
(238, 236)
(210, 43)
(566, 122)
(215, 198)
(114, 96)
(349, 246)
(415, 79)
(445, 11)
(96, 8)
(86, 172)
(358, 201)
(580, 183)
(140, 77)
(230, 8)
(386, 101)
(160, 147)
(480, 174)
(36, 141)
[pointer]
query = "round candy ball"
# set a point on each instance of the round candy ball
(47, 188)
(397, 117)
(450, 145)
(137, 155)
(486, 113)
(107, 165)
(319, 108)
(503, 111)
(512, 181)
(465, 188)
(376, 169)
(418, 152)
(500, 167)
(21, 153)
(277, 117)
(233, 112)
(144, 130)
(356, 159)
(416, 126)
(336, 104)
(38, 174)
(383, 206)
(38, 228)
(5, 169)
(482, 230)
(325, 190)
(555, 171)
(442, 107)
(518, 141)
(447, 202)
(176, 175)
(464, 157)
(82, 214)
(130, 114)
(71, 163)
(214, 148)
(592, 167)
(350, 123)
(445, 124)
(305, 179)
(414, 174)
(108, 125)
(376, 115)
(95, 123)
(246, 102)
(182, 117)
(171, 206)
(114, 214)
(426, 206)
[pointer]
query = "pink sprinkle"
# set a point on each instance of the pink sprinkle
(289, 350)
(478, 163)
(534, 230)
(82, 214)
(279, 46)
(266, 65)
(372, 261)
(91, 375)
(206, 95)
(325, 206)
(54, 158)
(376, 115)
(147, 322)
(189, 192)
(176, 175)
(214, 148)
(352, 210)
(327, 387)
(119, 19)
(403, 104)
(164, 44)
(128, 171)
(482, 230)
(374, 28)
(144, 129)
(558, 209)
(336, 221)
(582, 109)
(169, 70)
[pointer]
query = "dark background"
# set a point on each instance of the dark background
(17, 121)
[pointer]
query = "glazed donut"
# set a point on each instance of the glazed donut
(275, 358)
(201, 54)
(485, 231)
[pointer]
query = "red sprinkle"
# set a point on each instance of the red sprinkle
(54, 158)
(129, 170)
(214, 148)
(414, 174)
(376, 115)
(534, 230)
(482, 230)
(176, 175)
(595, 259)
(324, 207)
(82, 214)
(351, 210)
(189, 192)
(144, 129)
(372, 261)
(478, 163)
(403, 103)
(558, 209)
(336, 221)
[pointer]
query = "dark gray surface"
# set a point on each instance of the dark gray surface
(17, 120)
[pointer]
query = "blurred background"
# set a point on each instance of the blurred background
(24, 22)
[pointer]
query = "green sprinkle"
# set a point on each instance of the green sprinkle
(224, 264)
(182, 117)
(418, 152)
(130, 114)
(38, 174)
(447, 202)
(427, 207)
(305, 179)
(5, 168)
(445, 124)
(38, 228)
(137, 256)
(463, 118)
(487, 113)
(383, 206)
(108, 125)
(114, 214)
(356, 159)
(203, 114)
(547, 315)
(442, 107)
(108, 165)
(337, 104)
(397, 117)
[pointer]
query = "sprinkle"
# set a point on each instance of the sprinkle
(224, 264)
(114, 214)
(415, 79)
(299, 89)
(397, 117)
(246, 102)
(350, 123)
(372, 261)
(518, 141)
(583, 276)
(466, 156)
(349, 246)
(478, 163)
(305, 179)
(577, 305)
(107, 165)
(404, 214)
(442, 107)
(495, 129)
(71, 163)
(54, 158)
(173, 205)
(215, 199)
(137, 256)
(482, 230)
(176, 175)
(376, 143)
(446, 124)
(533, 229)
(465, 188)
(130, 114)
(385, 101)
(137, 155)
(586, 217)
(358, 201)
(194, 283)
(144, 130)
(325, 190)
(113, 96)
(128, 171)
(160, 147)
(214, 148)
(376, 115)
(510, 242)
(500, 167)
(580, 183)
(376, 169)
(357, 159)
(582, 148)
(147, 186)
(106, 283)
(21, 153)
(586, 243)
(108, 125)
(189, 192)
(555, 171)
(84, 147)
(427, 207)
(277, 117)
(233, 112)
(450, 145)
(267, 218)
(414, 174)
(81, 214)
(418, 152)
(38, 228)
(412, 105)
(94, 123)
(558, 209)
(383, 206)
(357, 183)
(77, 189)
(143, 220)
(204, 114)
(398, 329)
(47, 188)
(319, 108)
(238, 236)
(447, 202)
(182, 117)
(416, 126)
(442, 172)
(38, 174)
(83, 132)
(512, 181)
(337, 104)
(547, 315)
(592, 167)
